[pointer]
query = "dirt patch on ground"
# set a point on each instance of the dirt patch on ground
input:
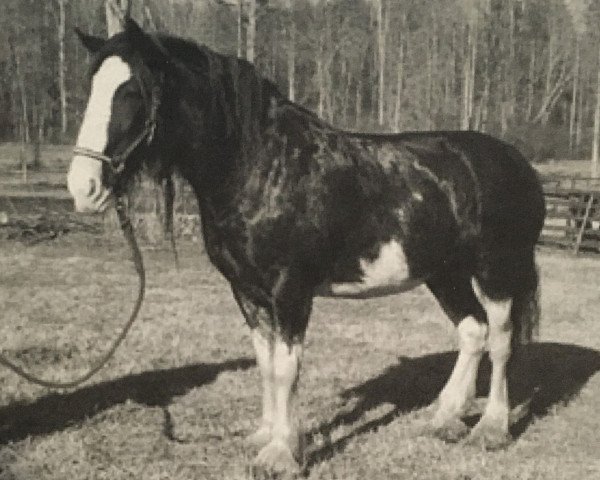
(32, 228)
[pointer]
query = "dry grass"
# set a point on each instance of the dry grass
(180, 395)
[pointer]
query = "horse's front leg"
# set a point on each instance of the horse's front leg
(262, 348)
(257, 319)
(280, 433)
(277, 337)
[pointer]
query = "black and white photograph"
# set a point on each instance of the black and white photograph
(300, 239)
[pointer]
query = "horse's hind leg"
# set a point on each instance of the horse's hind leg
(456, 296)
(492, 429)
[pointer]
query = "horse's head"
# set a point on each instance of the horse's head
(121, 116)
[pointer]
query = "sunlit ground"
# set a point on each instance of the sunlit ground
(183, 391)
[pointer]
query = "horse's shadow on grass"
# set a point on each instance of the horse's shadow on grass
(56, 411)
(556, 373)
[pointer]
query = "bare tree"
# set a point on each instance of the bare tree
(596, 128)
(240, 40)
(399, 78)
(470, 64)
(251, 31)
(574, 96)
(116, 12)
(62, 68)
(382, 28)
(291, 58)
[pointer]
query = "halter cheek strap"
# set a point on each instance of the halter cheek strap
(117, 162)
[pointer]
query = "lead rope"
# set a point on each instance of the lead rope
(136, 256)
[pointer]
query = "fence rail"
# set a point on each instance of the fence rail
(572, 214)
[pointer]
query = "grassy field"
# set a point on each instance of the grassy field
(183, 391)
(50, 175)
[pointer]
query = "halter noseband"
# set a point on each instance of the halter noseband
(117, 162)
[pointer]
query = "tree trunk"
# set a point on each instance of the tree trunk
(24, 130)
(149, 18)
(116, 13)
(345, 77)
(531, 83)
(474, 44)
(62, 68)
(551, 97)
(251, 31)
(549, 72)
(580, 112)
(399, 87)
(510, 66)
(469, 68)
(465, 117)
(485, 99)
(240, 40)
(38, 135)
(574, 95)
(358, 104)
(487, 42)
(451, 103)
(292, 60)
(273, 59)
(382, 27)
(321, 84)
(596, 134)
(432, 61)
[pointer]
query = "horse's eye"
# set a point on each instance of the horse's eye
(132, 95)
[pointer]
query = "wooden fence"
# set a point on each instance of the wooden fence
(572, 206)
(572, 214)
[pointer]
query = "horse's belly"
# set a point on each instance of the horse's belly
(387, 274)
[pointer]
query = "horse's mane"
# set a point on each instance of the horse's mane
(240, 95)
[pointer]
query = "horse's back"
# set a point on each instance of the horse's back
(508, 193)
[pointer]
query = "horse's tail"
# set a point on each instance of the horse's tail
(526, 308)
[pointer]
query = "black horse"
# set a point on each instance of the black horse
(293, 208)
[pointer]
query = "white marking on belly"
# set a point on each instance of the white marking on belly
(386, 274)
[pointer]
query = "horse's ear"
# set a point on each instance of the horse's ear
(133, 30)
(92, 43)
(149, 45)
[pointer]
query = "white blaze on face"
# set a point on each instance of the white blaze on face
(85, 175)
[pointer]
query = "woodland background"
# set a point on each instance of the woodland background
(525, 70)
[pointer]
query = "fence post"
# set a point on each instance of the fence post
(23, 158)
(586, 216)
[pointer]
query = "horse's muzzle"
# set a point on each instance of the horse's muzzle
(85, 184)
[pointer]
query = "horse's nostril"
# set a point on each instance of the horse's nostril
(93, 187)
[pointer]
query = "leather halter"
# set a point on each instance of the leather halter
(117, 162)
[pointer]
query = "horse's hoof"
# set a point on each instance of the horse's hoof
(260, 438)
(489, 437)
(275, 460)
(451, 430)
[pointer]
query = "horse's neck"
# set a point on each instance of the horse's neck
(216, 164)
